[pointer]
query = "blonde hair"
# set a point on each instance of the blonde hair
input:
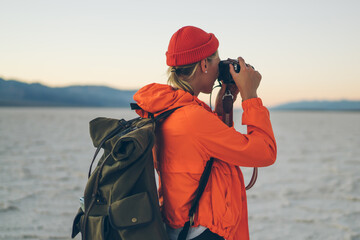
(180, 76)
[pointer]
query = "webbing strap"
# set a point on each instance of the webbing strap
(228, 120)
(165, 114)
(200, 190)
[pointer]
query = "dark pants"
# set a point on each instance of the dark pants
(208, 235)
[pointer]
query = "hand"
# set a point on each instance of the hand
(247, 80)
(218, 103)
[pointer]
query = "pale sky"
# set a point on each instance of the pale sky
(305, 50)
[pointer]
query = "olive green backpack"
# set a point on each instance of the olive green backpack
(120, 198)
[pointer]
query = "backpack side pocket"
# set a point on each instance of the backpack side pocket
(97, 228)
(76, 224)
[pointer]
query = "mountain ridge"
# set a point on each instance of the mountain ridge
(16, 93)
(320, 105)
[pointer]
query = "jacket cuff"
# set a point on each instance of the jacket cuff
(252, 102)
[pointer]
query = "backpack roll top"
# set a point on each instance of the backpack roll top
(132, 145)
(135, 210)
(101, 127)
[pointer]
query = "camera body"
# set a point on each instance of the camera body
(224, 70)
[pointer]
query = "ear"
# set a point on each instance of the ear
(204, 65)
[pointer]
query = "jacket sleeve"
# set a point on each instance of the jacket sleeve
(257, 148)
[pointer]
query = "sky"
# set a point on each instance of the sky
(305, 50)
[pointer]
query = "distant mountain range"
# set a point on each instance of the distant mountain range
(16, 93)
(342, 105)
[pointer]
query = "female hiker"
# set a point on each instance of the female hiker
(193, 134)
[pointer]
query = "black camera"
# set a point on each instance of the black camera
(224, 70)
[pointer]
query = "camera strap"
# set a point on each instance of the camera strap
(228, 120)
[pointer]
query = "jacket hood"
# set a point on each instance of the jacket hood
(157, 98)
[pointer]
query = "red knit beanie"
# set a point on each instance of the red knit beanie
(190, 45)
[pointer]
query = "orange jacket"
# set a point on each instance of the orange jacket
(187, 139)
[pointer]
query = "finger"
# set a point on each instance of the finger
(259, 75)
(242, 63)
(231, 68)
(250, 66)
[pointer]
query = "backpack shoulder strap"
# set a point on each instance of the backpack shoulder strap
(202, 184)
(135, 106)
(165, 114)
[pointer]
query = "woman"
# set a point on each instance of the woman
(193, 134)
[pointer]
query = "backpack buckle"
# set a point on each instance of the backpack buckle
(192, 219)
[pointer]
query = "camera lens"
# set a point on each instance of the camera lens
(224, 71)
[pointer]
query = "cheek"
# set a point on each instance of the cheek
(216, 69)
(215, 74)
